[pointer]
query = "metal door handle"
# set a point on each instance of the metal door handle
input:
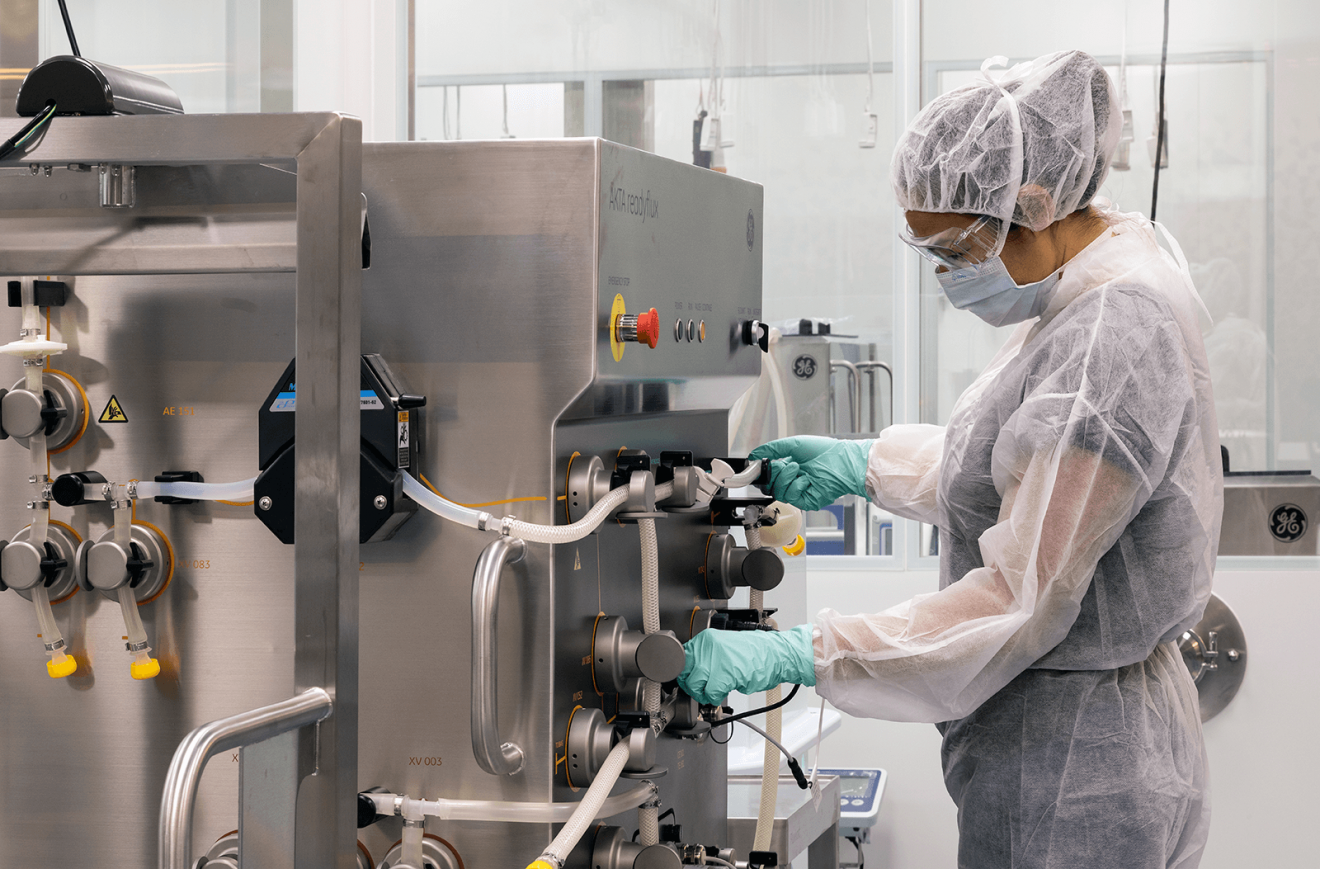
(854, 394)
(493, 755)
(204, 743)
(870, 368)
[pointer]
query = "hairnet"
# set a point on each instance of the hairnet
(1029, 145)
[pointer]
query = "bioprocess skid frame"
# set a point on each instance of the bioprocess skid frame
(240, 252)
(498, 272)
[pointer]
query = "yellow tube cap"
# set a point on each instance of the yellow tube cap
(797, 547)
(148, 669)
(539, 864)
(63, 668)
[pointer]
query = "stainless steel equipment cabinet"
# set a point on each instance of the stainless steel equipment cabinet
(496, 269)
(241, 250)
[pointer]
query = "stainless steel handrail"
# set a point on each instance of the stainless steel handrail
(870, 368)
(854, 397)
(204, 743)
(493, 755)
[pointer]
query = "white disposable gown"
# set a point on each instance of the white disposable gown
(1078, 493)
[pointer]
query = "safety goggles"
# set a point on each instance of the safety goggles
(956, 248)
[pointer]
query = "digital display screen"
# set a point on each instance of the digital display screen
(854, 787)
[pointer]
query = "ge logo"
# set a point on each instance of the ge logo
(1288, 523)
(751, 230)
(804, 367)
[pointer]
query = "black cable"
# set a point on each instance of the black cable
(725, 740)
(741, 715)
(28, 130)
(793, 766)
(68, 28)
(1159, 117)
(857, 843)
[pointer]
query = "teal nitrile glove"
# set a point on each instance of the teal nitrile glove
(813, 472)
(748, 661)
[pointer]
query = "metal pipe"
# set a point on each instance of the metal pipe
(855, 396)
(493, 755)
(870, 369)
(204, 743)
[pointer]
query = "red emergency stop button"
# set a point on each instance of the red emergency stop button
(648, 328)
(642, 328)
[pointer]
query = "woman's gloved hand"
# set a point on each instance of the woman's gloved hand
(747, 661)
(812, 472)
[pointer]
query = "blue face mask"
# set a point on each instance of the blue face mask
(989, 291)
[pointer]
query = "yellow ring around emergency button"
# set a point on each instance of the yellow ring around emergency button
(617, 311)
(145, 669)
(63, 668)
(796, 547)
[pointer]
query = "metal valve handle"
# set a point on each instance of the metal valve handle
(493, 754)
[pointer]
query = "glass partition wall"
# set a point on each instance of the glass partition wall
(792, 85)
(801, 91)
(803, 96)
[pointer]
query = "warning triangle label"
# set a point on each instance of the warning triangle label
(114, 412)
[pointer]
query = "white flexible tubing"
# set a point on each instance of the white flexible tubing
(510, 812)
(239, 491)
(132, 618)
(442, 507)
(579, 529)
(411, 851)
(648, 823)
(50, 632)
(650, 607)
(765, 818)
(589, 808)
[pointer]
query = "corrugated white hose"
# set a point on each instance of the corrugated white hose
(239, 491)
(648, 822)
(650, 609)
(589, 807)
(510, 812)
(446, 509)
(765, 818)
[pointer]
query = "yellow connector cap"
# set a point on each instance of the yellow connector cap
(797, 547)
(539, 864)
(148, 669)
(63, 668)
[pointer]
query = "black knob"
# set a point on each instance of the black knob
(71, 490)
(756, 334)
(408, 402)
(762, 569)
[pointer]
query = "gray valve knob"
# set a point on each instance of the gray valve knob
(107, 566)
(729, 567)
(21, 413)
(621, 655)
